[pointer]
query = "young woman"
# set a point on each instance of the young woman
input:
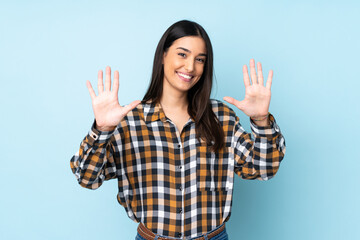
(175, 153)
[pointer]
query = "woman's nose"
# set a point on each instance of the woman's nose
(189, 65)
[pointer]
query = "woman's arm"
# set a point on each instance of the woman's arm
(259, 158)
(94, 162)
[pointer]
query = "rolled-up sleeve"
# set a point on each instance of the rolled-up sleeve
(259, 158)
(94, 162)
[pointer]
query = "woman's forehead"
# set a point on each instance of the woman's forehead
(194, 44)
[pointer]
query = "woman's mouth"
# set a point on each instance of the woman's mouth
(184, 77)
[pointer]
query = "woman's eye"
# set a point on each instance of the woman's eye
(201, 60)
(182, 54)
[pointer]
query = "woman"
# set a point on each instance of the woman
(175, 152)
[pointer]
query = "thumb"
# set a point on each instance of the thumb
(236, 103)
(131, 106)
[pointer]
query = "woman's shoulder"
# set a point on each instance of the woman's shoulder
(221, 109)
(141, 112)
(224, 113)
(136, 113)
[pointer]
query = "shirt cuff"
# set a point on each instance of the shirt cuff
(271, 131)
(97, 136)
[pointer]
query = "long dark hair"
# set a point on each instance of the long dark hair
(207, 125)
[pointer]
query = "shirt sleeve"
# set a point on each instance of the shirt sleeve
(94, 162)
(101, 157)
(259, 158)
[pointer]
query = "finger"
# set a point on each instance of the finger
(100, 82)
(260, 74)
(246, 76)
(131, 106)
(253, 72)
(269, 80)
(107, 78)
(234, 102)
(115, 87)
(91, 90)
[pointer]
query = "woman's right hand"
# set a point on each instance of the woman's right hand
(107, 110)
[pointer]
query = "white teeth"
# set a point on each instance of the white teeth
(185, 76)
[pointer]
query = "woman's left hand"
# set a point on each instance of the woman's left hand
(257, 96)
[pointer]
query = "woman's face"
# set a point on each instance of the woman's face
(184, 63)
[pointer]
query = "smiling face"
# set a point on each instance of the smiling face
(184, 64)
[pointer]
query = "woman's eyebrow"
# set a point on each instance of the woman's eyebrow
(187, 50)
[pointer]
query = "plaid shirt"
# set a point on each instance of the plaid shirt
(170, 181)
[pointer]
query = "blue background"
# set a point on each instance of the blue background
(49, 49)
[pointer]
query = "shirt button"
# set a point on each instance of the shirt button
(180, 167)
(180, 188)
(179, 146)
(179, 234)
(180, 210)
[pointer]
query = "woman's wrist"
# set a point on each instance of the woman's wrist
(262, 120)
(104, 129)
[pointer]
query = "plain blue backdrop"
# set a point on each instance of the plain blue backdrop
(49, 49)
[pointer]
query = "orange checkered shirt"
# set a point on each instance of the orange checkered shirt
(170, 181)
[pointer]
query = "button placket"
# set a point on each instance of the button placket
(179, 161)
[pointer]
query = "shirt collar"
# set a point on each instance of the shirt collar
(153, 112)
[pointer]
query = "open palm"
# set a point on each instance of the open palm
(257, 96)
(107, 110)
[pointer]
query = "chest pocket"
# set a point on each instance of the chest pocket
(212, 169)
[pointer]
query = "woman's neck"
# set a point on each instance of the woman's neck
(174, 102)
